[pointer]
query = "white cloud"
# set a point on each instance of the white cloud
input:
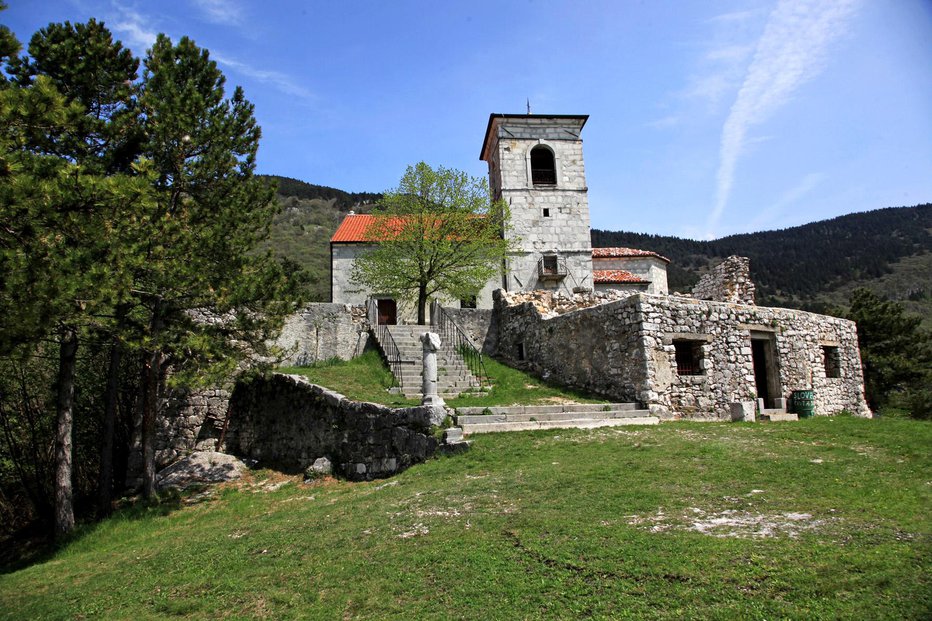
(135, 29)
(736, 16)
(221, 11)
(767, 216)
(281, 81)
(791, 50)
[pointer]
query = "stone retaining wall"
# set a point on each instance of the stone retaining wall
(478, 325)
(321, 331)
(285, 422)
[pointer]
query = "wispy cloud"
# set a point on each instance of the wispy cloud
(735, 16)
(791, 51)
(281, 81)
(134, 28)
(768, 215)
(225, 12)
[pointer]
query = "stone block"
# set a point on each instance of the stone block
(742, 411)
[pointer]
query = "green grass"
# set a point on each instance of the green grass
(366, 378)
(559, 525)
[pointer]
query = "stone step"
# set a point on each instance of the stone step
(481, 419)
(586, 423)
(548, 409)
(776, 417)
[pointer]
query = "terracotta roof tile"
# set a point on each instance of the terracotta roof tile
(354, 229)
(610, 276)
(612, 253)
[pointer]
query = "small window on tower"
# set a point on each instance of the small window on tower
(546, 212)
(543, 167)
(550, 264)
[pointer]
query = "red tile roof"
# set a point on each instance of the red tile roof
(610, 276)
(612, 253)
(354, 229)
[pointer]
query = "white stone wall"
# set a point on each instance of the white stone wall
(347, 292)
(545, 220)
(341, 269)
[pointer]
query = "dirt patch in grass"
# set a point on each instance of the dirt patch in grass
(730, 523)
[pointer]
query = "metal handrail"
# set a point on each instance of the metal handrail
(386, 341)
(463, 345)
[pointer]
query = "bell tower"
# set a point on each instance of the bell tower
(536, 165)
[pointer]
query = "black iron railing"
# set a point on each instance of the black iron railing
(386, 343)
(463, 345)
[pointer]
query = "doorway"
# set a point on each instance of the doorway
(388, 312)
(766, 373)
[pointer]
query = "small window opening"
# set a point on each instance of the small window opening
(546, 212)
(543, 167)
(832, 361)
(469, 302)
(688, 357)
(520, 351)
(550, 264)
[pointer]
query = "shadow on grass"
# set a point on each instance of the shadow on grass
(35, 544)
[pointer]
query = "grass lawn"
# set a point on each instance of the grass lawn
(367, 378)
(820, 519)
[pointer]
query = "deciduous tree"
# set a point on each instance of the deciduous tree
(437, 233)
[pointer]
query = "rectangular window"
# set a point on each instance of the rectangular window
(520, 351)
(469, 302)
(550, 264)
(832, 361)
(546, 212)
(688, 357)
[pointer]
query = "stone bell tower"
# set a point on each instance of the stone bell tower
(536, 166)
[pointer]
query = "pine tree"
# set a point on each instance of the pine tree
(209, 300)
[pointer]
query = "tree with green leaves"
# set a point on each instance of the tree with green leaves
(896, 353)
(71, 213)
(206, 299)
(437, 234)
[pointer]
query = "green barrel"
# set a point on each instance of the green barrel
(803, 403)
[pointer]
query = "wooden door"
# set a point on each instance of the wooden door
(388, 312)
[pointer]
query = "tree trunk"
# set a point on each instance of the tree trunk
(64, 510)
(422, 305)
(105, 482)
(150, 402)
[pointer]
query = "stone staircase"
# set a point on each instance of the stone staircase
(528, 417)
(453, 376)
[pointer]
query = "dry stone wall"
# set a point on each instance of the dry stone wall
(626, 350)
(729, 281)
(285, 422)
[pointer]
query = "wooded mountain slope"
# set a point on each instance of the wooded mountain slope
(814, 266)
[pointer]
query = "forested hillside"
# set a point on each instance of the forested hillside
(301, 231)
(814, 266)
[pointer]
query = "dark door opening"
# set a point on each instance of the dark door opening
(388, 312)
(766, 378)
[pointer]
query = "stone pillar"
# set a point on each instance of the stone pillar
(431, 343)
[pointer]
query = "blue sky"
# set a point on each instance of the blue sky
(706, 118)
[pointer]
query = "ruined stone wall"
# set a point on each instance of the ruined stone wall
(322, 331)
(725, 331)
(627, 350)
(594, 348)
(189, 420)
(729, 281)
(285, 422)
